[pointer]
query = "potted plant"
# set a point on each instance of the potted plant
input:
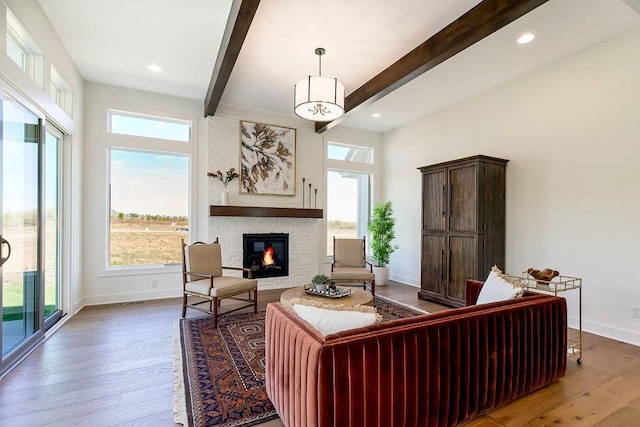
(321, 282)
(382, 233)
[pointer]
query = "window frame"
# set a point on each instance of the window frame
(152, 145)
(365, 202)
(111, 112)
(60, 92)
(33, 60)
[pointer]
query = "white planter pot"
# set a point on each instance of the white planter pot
(382, 275)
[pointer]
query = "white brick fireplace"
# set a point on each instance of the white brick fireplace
(307, 241)
(305, 237)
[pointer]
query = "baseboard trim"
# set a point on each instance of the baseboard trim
(134, 296)
(624, 335)
(404, 280)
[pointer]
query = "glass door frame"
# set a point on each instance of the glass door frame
(56, 315)
(37, 337)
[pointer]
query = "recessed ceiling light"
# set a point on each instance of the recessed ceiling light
(154, 68)
(526, 38)
(376, 115)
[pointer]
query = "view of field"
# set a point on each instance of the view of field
(19, 271)
(141, 241)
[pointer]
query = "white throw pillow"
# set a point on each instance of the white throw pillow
(496, 288)
(331, 321)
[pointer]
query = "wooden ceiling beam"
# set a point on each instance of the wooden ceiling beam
(240, 18)
(484, 19)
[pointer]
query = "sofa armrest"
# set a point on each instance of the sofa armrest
(472, 291)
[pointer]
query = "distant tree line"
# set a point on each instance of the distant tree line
(336, 224)
(20, 219)
(150, 217)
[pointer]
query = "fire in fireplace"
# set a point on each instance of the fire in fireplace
(267, 255)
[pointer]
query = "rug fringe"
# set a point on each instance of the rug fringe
(402, 304)
(179, 400)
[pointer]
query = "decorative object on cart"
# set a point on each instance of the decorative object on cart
(382, 232)
(225, 178)
(268, 159)
(318, 98)
(321, 282)
(545, 275)
(303, 179)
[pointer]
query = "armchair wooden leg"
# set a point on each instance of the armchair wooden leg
(255, 300)
(215, 303)
(184, 304)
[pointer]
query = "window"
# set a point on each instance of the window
(16, 53)
(149, 182)
(149, 127)
(149, 205)
(350, 153)
(23, 50)
(349, 175)
(60, 92)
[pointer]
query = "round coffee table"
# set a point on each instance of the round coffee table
(357, 297)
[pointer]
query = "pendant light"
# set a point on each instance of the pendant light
(318, 98)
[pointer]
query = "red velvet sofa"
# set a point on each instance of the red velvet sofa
(439, 369)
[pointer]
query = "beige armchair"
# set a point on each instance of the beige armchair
(203, 279)
(349, 264)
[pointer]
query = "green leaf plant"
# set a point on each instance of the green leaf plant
(382, 233)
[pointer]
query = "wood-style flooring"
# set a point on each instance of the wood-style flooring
(112, 365)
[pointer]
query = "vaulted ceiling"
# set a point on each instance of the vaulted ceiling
(113, 41)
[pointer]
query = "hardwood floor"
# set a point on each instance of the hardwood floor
(112, 365)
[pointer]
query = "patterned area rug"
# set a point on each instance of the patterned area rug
(219, 372)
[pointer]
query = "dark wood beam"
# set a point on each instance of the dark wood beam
(484, 19)
(240, 17)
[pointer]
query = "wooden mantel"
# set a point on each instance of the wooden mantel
(261, 211)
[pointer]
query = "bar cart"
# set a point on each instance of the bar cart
(557, 285)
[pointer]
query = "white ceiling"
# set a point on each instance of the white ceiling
(112, 42)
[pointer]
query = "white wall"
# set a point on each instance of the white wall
(571, 132)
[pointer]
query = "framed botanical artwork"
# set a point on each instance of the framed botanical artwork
(268, 159)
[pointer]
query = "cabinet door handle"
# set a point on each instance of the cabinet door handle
(444, 200)
(450, 204)
(450, 254)
(442, 267)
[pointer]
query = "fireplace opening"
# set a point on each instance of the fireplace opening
(267, 255)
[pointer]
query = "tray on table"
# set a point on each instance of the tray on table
(329, 293)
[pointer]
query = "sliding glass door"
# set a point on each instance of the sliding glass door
(52, 221)
(20, 207)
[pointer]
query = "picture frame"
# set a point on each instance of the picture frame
(267, 159)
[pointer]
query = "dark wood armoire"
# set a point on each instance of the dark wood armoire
(463, 225)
